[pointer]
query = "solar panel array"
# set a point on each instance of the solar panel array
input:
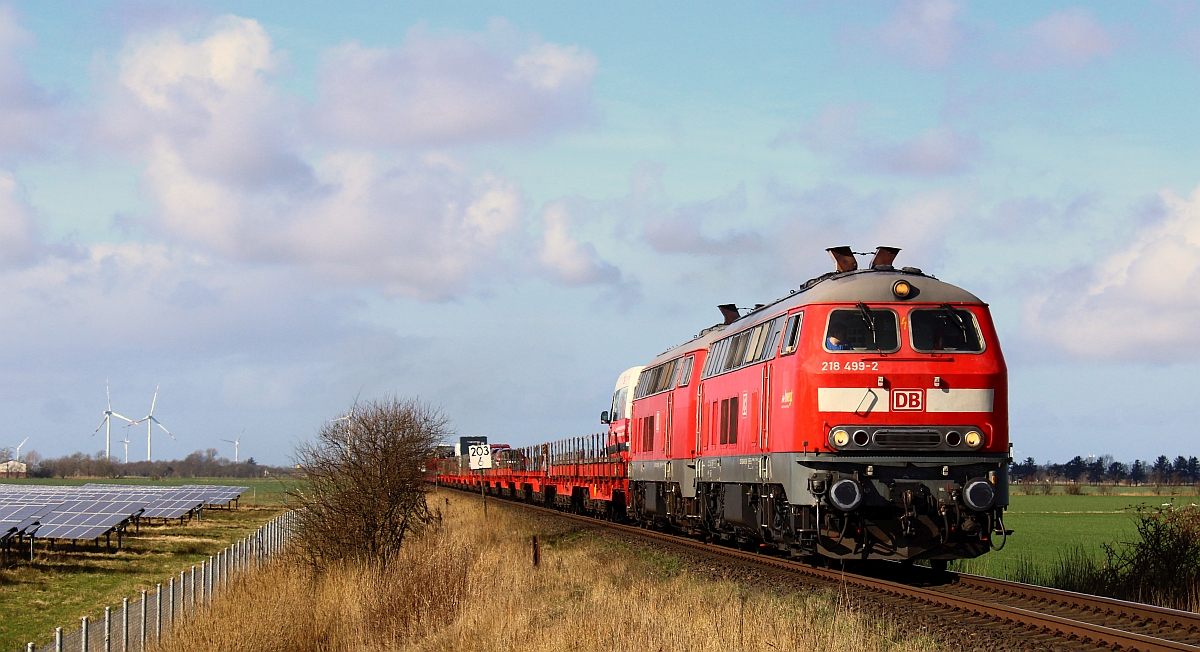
(93, 510)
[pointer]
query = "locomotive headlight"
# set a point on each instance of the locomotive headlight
(840, 438)
(901, 289)
(973, 439)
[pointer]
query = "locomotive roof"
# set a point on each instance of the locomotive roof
(872, 285)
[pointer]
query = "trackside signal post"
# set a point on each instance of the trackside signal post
(480, 460)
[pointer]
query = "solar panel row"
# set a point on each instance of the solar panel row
(91, 511)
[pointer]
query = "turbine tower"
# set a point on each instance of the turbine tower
(150, 422)
(126, 442)
(236, 442)
(107, 421)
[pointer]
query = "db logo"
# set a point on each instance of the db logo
(907, 400)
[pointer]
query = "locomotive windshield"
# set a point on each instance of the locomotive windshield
(944, 329)
(862, 329)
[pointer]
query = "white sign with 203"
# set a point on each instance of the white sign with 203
(480, 456)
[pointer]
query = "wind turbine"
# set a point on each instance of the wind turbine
(150, 423)
(236, 442)
(107, 421)
(18, 458)
(126, 449)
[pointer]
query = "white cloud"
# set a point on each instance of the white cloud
(1067, 37)
(451, 90)
(1141, 302)
(835, 132)
(568, 260)
(28, 115)
(18, 227)
(234, 169)
(682, 230)
(928, 33)
(939, 150)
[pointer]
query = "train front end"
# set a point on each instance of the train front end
(899, 415)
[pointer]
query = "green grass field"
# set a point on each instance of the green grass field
(58, 588)
(1048, 525)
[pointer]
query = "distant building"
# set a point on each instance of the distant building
(12, 469)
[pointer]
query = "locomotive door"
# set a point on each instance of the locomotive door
(668, 427)
(764, 410)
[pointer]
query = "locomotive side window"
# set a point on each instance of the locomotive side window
(791, 334)
(747, 347)
(657, 379)
(729, 420)
(862, 329)
(685, 374)
(648, 433)
(945, 329)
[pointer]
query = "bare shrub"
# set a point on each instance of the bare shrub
(1073, 489)
(1047, 487)
(1028, 487)
(364, 486)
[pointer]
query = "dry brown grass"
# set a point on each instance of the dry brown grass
(463, 586)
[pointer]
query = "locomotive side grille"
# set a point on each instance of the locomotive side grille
(908, 439)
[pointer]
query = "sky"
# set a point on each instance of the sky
(266, 209)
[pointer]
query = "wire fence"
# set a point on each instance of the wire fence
(138, 624)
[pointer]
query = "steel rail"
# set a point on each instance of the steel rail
(1186, 621)
(1067, 628)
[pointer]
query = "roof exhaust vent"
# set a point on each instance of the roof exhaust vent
(884, 256)
(843, 257)
(729, 312)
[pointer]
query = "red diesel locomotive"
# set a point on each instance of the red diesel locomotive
(864, 416)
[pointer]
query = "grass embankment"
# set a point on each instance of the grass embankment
(469, 584)
(59, 587)
(1049, 526)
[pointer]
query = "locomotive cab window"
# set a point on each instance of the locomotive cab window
(862, 329)
(685, 374)
(791, 334)
(945, 329)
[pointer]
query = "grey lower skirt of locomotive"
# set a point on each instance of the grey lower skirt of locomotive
(862, 507)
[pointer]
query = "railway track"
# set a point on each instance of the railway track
(1074, 618)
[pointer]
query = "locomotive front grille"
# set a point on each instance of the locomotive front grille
(908, 439)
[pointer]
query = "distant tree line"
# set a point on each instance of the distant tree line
(200, 464)
(1104, 469)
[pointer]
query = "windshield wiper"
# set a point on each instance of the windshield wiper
(957, 319)
(866, 315)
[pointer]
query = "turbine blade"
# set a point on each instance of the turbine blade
(108, 394)
(121, 417)
(164, 429)
(154, 401)
(229, 440)
(99, 426)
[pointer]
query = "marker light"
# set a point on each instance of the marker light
(840, 438)
(973, 439)
(901, 289)
(861, 437)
